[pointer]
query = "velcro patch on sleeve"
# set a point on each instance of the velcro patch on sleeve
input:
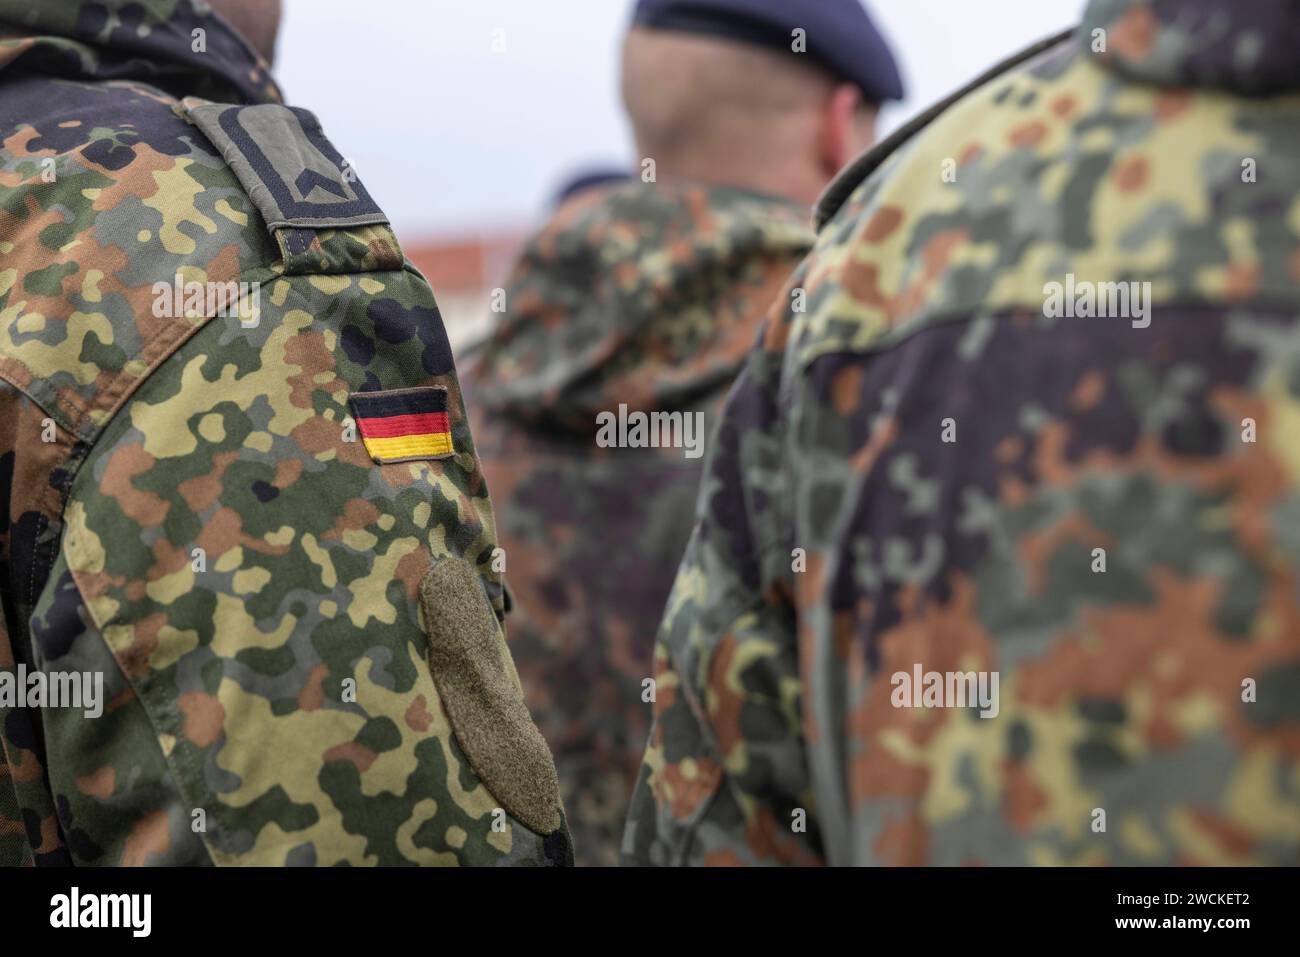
(480, 689)
(405, 425)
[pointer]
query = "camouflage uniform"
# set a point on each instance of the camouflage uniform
(925, 469)
(301, 647)
(646, 295)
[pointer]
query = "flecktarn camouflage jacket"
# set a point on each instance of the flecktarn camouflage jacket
(238, 491)
(639, 300)
(998, 552)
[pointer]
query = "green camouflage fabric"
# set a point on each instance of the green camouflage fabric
(937, 468)
(647, 296)
(185, 507)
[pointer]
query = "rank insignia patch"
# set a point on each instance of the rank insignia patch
(406, 425)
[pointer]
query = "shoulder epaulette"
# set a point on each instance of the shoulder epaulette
(297, 180)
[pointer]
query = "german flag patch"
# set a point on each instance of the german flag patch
(407, 425)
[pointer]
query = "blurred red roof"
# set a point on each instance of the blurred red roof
(463, 271)
(465, 265)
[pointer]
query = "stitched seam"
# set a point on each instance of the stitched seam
(172, 763)
(124, 384)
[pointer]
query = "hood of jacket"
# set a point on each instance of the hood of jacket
(1246, 47)
(182, 47)
(644, 295)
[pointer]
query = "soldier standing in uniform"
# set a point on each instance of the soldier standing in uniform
(237, 483)
(642, 299)
(997, 558)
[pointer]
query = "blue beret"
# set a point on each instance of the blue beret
(840, 34)
(589, 179)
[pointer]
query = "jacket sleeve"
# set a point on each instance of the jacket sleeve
(301, 643)
(724, 780)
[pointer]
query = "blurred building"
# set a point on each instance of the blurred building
(463, 271)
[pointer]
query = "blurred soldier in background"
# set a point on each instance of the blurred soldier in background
(238, 491)
(997, 560)
(647, 296)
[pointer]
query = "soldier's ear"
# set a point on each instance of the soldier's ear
(848, 126)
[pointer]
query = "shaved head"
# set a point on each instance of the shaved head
(257, 21)
(716, 110)
(683, 90)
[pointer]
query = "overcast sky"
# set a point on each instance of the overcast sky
(465, 115)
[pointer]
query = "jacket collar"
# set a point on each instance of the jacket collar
(180, 46)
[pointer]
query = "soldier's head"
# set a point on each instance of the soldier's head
(755, 93)
(258, 22)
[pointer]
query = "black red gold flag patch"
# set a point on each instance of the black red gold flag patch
(405, 425)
